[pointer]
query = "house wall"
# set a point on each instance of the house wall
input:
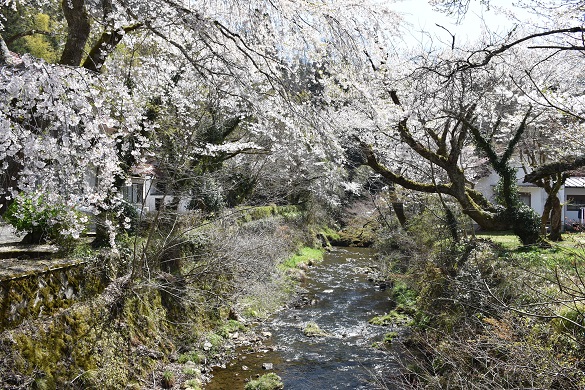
(153, 198)
(537, 198)
(487, 185)
(149, 199)
(568, 214)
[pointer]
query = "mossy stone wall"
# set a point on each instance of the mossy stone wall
(40, 294)
(104, 343)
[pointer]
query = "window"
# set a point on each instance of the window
(575, 202)
(133, 193)
(525, 198)
(158, 188)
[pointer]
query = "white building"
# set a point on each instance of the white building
(144, 194)
(571, 195)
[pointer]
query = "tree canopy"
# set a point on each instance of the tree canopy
(98, 87)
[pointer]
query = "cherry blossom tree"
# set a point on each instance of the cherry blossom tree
(550, 55)
(237, 58)
(60, 136)
(426, 126)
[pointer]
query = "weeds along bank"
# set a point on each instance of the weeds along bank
(483, 311)
(180, 300)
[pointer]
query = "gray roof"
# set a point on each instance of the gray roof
(575, 182)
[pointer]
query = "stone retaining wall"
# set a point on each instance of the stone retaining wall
(40, 289)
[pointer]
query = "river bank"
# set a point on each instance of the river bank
(340, 296)
(204, 290)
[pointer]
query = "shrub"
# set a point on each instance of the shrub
(231, 326)
(128, 217)
(192, 356)
(269, 381)
(43, 222)
(168, 380)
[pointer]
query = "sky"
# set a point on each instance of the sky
(421, 17)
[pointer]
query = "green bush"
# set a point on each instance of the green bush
(128, 217)
(43, 222)
(168, 380)
(231, 326)
(192, 356)
(269, 381)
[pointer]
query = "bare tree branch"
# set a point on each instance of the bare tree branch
(27, 33)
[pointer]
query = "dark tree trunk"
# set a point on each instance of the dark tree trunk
(78, 29)
(556, 220)
(399, 210)
(102, 234)
(552, 207)
(545, 216)
(104, 46)
(9, 179)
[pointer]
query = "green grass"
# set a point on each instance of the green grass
(563, 253)
(389, 337)
(331, 234)
(404, 297)
(230, 326)
(305, 255)
(572, 241)
(506, 239)
(313, 330)
(192, 356)
(193, 384)
(255, 213)
(393, 317)
(510, 241)
(269, 381)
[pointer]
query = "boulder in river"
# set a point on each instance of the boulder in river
(313, 330)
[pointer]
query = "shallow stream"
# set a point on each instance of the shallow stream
(341, 299)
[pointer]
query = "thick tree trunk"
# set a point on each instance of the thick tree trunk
(78, 29)
(102, 233)
(399, 210)
(9, 179)
(545, 216)
(556, 220)
(552, 207)
(487, 221)
(104, 46)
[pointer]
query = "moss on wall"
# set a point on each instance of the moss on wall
(105, 343)
(42, 294)
(256, 213)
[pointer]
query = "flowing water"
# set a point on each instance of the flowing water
(342, 299)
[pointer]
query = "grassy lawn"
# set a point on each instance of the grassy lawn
(511, 242)
(506, 239)
(571, 249)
